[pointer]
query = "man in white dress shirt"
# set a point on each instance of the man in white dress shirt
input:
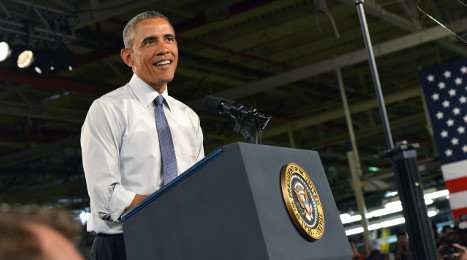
(119, 139)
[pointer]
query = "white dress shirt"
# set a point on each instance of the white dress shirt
(120, 149)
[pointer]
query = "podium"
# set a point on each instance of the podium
(230, 205)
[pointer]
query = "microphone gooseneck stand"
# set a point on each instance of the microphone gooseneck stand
(250, 115)
(404, 164)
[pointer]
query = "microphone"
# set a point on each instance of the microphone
(233, 109)
(240, 113)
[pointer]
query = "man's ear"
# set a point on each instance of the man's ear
(126, 57)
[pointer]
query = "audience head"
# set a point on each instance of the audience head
(30, 233)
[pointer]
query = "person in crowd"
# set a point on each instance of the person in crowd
(444, 245)
(137, 138)
(375, 251)
(402, 252)
(447, 232)
(462, 230)
(29, 233)
(354, 247)
(453, 251)
(451, 245)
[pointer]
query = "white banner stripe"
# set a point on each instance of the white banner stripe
(454, 170)
(458, 200)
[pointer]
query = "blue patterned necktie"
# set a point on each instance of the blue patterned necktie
(169, 160)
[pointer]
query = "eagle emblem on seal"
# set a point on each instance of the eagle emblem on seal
(302, 197)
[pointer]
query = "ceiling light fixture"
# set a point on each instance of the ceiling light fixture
(5, 51)
(384, 224)
(391, 208)
(25, 59)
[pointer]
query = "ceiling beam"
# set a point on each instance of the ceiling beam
(331, 64)
(38, 152)
(75, 189)
(364, 134)
(379, 12)
(52, 82)
(339, 113)
(107, 10)
(405, 24)
(42, 112)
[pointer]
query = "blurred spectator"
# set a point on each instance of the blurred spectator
(462, 230)
(354, 247)
(402, 252)
(29, 233)
(452, 246)
(461, 253)
(447, 233)
(375, 251)
(452, 252)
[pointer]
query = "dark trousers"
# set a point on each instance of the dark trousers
(108, 247)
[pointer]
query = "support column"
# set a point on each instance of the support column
(354, 162)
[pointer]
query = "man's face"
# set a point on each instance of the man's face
(154, 53)
(402, 240)
(448, 232)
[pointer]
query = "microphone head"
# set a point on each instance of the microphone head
(211, 104)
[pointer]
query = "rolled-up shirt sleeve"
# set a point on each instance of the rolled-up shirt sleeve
(100, 142)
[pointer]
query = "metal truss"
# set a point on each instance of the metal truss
(33, 22)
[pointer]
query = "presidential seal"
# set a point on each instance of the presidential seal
(302, 201)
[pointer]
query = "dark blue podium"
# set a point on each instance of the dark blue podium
(230, 206)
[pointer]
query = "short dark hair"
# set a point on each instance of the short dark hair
(401, 234)
(129, 30)
(446, 227)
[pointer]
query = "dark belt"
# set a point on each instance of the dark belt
(109, 235)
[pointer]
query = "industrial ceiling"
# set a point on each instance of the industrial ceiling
(283, 57)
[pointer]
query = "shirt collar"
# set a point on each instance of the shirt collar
(145, 93)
